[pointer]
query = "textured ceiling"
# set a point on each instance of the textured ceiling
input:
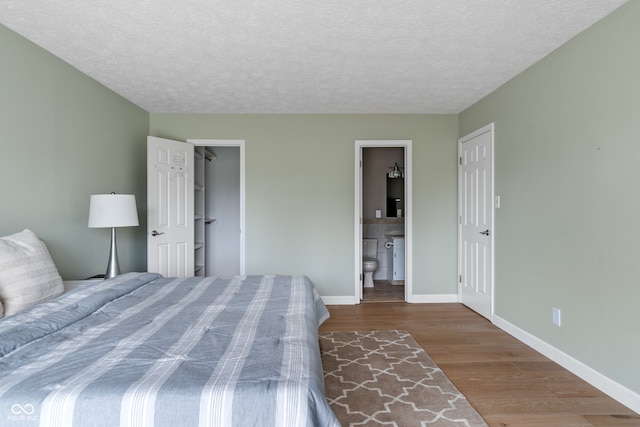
(319, 56)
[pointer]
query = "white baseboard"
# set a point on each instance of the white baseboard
(617, 391)
(340, 300)
(433, 298)
(417, 299)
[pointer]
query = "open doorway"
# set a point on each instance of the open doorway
(383, 220)
(221, 207)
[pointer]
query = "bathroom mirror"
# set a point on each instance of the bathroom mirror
(395, 197)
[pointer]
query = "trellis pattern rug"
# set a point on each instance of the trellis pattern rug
(386, 378)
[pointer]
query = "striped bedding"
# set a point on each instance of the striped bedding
(143, 350)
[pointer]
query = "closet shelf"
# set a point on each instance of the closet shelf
(209, 154)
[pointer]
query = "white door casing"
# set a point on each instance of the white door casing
(359, 275)
(170, 207)
(475, 221)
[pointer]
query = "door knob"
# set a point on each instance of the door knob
(155, 233)
(485, 232)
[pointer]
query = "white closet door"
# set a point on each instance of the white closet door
(170, 211)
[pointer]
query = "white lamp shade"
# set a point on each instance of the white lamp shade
(113, 210)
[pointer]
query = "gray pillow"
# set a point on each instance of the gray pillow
(28, 275)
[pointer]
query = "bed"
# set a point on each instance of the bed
(143, 350)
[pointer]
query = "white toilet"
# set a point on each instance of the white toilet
(369, 261)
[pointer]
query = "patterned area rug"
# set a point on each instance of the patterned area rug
(386, 378)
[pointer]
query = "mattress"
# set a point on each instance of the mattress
(144, 350)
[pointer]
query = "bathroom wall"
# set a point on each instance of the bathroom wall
(376, 162)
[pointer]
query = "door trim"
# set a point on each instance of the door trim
(408, 216)
(241, 144)
(487, 128)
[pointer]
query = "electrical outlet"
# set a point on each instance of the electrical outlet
(557, 317)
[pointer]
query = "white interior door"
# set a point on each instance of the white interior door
(475, 195)
(170, 207)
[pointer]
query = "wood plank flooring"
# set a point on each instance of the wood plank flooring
(507, 382)
(383, 291)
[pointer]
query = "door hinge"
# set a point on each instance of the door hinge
(361, 277)
(360, 163)
(460, 278)
(460, 160)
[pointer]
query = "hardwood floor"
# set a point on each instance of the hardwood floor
(507, 382)
(383, 291)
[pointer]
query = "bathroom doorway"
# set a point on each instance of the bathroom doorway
(383, 220)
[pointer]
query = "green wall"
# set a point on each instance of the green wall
(300, 190)
(566, 151)
(566, 143)
(63, 137)
(68, 137)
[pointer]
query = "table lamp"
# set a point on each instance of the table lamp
(113, 210)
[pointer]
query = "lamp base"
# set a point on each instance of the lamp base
(113, 268)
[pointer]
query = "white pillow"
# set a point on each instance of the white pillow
(27, 273)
